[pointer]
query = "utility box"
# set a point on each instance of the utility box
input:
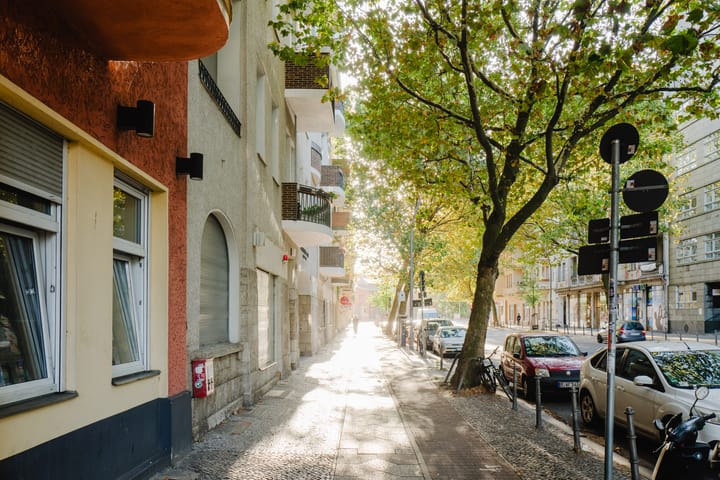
(203, 377)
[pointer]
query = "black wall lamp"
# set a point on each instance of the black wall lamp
(192, 166)
(140, 118)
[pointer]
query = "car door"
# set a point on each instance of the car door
(642, 399)
(506, 359)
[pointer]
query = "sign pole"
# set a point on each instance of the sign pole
(612, 297)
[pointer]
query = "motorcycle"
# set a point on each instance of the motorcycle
(681, 455)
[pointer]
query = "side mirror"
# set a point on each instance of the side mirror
(643, 381)
(516, 355)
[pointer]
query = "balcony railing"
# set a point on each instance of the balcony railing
(305, 204)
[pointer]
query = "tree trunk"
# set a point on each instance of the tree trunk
(477, 328)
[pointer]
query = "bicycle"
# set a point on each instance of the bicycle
(491, 377)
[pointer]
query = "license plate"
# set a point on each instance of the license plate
(567, 384)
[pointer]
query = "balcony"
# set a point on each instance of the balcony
(306, 215)
(332, 180)
(306, 87)
(332, 262)
(138, 30)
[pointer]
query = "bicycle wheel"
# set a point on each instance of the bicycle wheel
(487, 380)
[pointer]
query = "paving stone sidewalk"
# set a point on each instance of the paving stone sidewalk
(362, 408)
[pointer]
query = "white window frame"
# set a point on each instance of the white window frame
(686, 251)
(44, 231)
(711, 196)
(685, 297)
(136, 256)
(267, 321)
(712, 146)
(688, 205)
(712, 246)
(261, 117)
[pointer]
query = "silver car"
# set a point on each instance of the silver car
(658, 380)
(449, 339)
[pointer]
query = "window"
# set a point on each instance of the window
(275, 140)
(712, 196)
(685, 161)
(260, 115)
(31, 192)
(712, 146)
(685, 297)
(686, 251)
(214, 285)
(688, 205)
(712, 246)
(130, 279)
(266, 318)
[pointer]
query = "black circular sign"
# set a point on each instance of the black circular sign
(629, 140)
(645, 191)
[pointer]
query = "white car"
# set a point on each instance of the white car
(449, 339)
(658, 380)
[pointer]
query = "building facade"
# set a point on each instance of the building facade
(93, 237)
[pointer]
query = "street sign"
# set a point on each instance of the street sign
(629, 140)
(428, 302)
(638, 250)
(639, 225)
(594, 259)
(599, 230)
(645, 191)
(417, 303)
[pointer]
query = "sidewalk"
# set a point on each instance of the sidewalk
(362, 408)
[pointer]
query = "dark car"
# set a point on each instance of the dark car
(554, 358)
(631, 331)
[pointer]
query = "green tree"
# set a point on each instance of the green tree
(493, 102)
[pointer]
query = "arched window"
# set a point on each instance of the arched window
(214, 279)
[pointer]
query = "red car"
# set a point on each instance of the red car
(555, 359)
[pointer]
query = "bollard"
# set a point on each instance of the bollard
(716, 337)
(634, 461)
(538, 404)
(514, 391)
(575, 423)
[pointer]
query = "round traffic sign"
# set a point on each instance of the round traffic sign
(645, 191)
(629, 140)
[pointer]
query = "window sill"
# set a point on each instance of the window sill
(37, 402)
(215, 351)
(134, 377)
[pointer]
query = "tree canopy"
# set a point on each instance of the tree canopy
(494, 103)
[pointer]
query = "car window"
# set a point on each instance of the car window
(516, 348)
(549, 346)
(599, 361)
(688, 368)
(633, 326)
(637, 363)
(453, 332)
(509, 344)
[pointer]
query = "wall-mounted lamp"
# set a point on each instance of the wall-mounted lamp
(192, 166)
(285, 259)
(140, 118)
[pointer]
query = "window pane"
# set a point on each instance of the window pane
(125, 340)
(24, 199)
(266, 318)
(22, 342)
(126, 216)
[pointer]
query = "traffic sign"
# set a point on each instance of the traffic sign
(645, 191)
(599, 230)
(639, 225)
(428, 302)
(638, 250)
(594, 259)
(629, 140)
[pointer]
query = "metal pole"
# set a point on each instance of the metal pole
(412, 272)
(612, 287)
(634, 461)
(538, 404)
(514, 390)
(575, 423)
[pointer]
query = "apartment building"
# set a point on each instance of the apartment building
(93, 234)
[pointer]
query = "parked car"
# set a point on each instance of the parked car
(656, 379)
(449, 340)
(431, 329)
(556, 359)
(625, 332)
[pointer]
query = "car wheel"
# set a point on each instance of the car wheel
(587, 409)
(599, 338)
(528, 388)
